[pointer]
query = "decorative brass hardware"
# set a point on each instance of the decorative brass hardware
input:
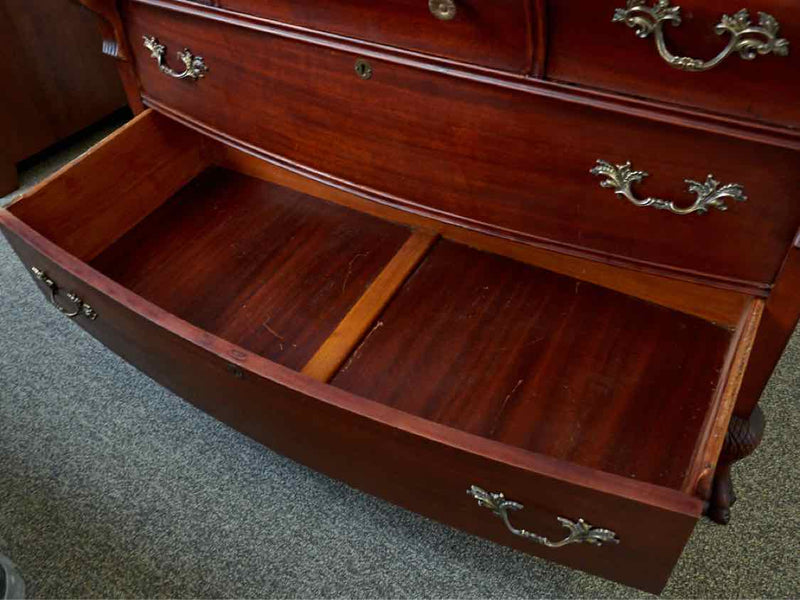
(79, 307)
(709, 194)
(443, 9)
(363, 69)
(194, 67)
(745, 38)
(579, 532)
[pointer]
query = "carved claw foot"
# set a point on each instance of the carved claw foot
(743, 437)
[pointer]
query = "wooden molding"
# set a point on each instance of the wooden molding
(754, 131)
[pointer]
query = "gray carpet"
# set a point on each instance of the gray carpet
(111, 486)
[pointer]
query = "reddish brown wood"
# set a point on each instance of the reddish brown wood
(543, 362)
(699, 477)
(54, 81)
(262, 266)
(361, 317)
(115, 44)
(537, 17)
(716, 304)
(781, 315)
(626, 105)
(410, 461)
(488, 153)
(495, 159)
(586, 48)
(493, 33)
(100, 195)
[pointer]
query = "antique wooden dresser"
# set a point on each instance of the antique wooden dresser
(520, 266)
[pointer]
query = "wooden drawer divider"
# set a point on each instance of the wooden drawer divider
(344, 339)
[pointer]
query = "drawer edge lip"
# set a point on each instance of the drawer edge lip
(761, 132)
(669, 499)
(751, 288)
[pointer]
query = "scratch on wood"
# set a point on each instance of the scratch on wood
(357, 353)
(502, 408)
(350, 268)
(525, 345)
(266, 326)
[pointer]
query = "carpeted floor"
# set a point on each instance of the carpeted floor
(111, 486)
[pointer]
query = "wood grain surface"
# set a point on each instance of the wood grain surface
(714, 303)
(781, 316)
(492, 33)
(267, 268)
(55, 81)
(339, 344)
(484, 157)
(405, 459)
(543, 362)
(100, 195)
(586, 48)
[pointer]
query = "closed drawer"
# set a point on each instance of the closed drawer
(587, 48)
(394, 452)
(490, 33)
(494, 159)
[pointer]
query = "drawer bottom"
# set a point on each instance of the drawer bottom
(471, 340)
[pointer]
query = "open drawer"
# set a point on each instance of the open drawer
(396, 355)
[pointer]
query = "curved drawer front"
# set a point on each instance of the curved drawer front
(490, 158)
(408, 461)
(614, 44)
(490, 33)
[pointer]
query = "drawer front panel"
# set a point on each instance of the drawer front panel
(500, 160)
(403, 459)
(490, 33)
(587, 48)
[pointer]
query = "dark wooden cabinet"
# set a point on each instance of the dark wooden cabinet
(55, 82)
(384, 244)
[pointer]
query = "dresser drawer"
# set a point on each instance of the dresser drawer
(103, 271)
(359, 442)
(589, 46)
(493, 159)
(490, 33)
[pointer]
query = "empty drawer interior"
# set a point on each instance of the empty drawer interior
(475, 341)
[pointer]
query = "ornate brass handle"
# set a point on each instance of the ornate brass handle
(194, 67)
(79, 307)
(745, 38)
(578, 532)
(709, 194)
(443, 9)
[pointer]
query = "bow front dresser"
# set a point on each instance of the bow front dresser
(520, 266)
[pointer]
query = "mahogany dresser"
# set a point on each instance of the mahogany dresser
(520, 266)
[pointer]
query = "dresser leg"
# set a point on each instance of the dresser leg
(743, 437)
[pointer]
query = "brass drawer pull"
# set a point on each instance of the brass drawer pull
(578, 532)
(79, 307)
(709, 194)
(194, 66)
(443, 9)
(747, 39)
